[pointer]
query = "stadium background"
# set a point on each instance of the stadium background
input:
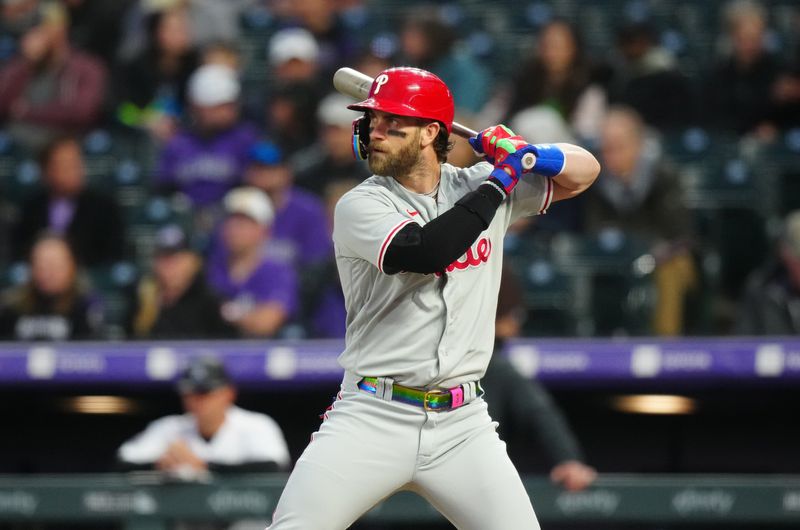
(737, 189)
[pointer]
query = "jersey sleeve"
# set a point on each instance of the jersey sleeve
(268, 443)
(148, 446)
(365, 222)
(531, 196)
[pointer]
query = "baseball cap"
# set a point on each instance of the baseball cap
(202, 375)
(333, 110)
(791, 232)
(213, 84)
(252, 202)
(265, 153)
(293, 43)
(171, 238)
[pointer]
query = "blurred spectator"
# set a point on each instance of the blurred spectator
(292, 101)
(175, 302)
(294, 56)
(152, 86)
(647, 78)
(96, 26)
(640, 195)
(210, 21)
(740, 89)
(17, 16)
(771, 301)
(427, 42)
(224, 53)
(338, 44)
(259, 294)
(322, 298)
(49, 89)
(89, 219)
(53, 304)
(213, 435)
(208, 158)
(522, 407)
(560, 76)
(299, 235)
(331, 158)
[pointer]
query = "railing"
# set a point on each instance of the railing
(272, 363)
(144, 501)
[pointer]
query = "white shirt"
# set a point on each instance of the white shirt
(422, 330)
(244, 437)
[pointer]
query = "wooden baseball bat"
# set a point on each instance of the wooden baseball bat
(355, 84)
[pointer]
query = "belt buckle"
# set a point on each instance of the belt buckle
(429, 393)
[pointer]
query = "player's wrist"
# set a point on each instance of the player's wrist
(550, 160)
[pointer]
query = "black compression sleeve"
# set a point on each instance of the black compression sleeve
(431, 248)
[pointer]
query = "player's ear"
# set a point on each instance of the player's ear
(429, 133)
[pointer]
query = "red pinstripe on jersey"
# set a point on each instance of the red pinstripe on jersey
(548, 196)
(388, 240)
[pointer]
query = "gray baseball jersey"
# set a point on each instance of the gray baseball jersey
(423, 330)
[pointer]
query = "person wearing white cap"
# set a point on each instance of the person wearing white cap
(331, 158)
(771, 301)
(259, 294)
(206, 159)
(294, 55)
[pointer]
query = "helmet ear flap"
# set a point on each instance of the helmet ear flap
(360, 137)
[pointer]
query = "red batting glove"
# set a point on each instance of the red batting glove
(497, 142)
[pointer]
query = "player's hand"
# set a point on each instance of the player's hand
(493, 142)
(179, 455)
(573, 475)
(509, 166)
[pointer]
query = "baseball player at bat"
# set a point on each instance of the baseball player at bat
(419, 251)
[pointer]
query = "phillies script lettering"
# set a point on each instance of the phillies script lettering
(475, 255)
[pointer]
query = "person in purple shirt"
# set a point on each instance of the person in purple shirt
(300, 234)
(207, 159)
(259, 294)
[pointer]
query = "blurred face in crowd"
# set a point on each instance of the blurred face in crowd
(52, 267)
(557, 47)
(173, 33)
(317, 15)
(39, 43)
(296, 70)
(214, 118)
(415, 43)
(209, 408)
(243, 234)
(271, 179)
(174, 272)
(747, 33)
(621, 144)
(223, 55)
(64, 171)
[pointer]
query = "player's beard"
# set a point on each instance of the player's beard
(397, 164)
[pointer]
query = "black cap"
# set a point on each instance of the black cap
(171, 238)
(202, 375)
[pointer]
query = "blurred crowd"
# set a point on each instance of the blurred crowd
(169, 167)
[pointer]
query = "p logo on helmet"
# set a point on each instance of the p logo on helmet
(413, 92)
(379, 82)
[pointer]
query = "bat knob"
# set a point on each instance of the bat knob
(528, 161)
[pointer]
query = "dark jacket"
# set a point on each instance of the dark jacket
(45, 318)
(196, 314)
(770, 305)
(96, 232)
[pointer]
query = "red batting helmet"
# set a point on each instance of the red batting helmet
(409, 91)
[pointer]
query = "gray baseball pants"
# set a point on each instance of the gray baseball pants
(368, 448)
